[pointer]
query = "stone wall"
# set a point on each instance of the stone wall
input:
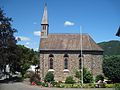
(92, 62)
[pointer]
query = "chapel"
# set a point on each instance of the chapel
(62, 54)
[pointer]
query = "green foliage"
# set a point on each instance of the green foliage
(89, 85)
(111, 47)
(54, 83)
(77, 74)
(117, 86)
(76, 86)
(69, 80)
(7, 42)
(87, 76)
(18, 57)
(99, 77)
(49, 77)
(109, 85)
(69, 85)
(35, 58)
(26, 57)
(28, 74)
(111, 68)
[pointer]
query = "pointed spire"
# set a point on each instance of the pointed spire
(45, 14)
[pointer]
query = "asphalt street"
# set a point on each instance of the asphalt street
(22, 86)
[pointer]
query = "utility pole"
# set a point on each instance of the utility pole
(81, 52)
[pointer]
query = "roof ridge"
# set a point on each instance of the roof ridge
(90, 42)
(67, 33)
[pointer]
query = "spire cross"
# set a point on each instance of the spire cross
(45, 3)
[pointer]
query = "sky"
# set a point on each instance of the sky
(99, 18)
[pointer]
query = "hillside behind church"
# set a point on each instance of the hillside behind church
(110, 47)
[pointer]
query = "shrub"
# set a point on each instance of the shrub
(45, 84)
(58, 85)
(28, 74)
(78, 74)
(87, 76)
(54, 83)
(99, 77)
(39, 83)
(49, 77)
(109, 85)
(101, 85)
(76, 86)
(66, 85)
(69, 80)
(89, 85)
(69, 85)
(35, 78)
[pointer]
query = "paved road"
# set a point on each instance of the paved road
(21, 86)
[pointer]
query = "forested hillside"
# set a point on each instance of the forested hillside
(110, 47)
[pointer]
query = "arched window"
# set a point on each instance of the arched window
(44, 27)
(51, 55)
(66, 55)
(80, 63)
(66, 63)
(51, 63)
(81, 58)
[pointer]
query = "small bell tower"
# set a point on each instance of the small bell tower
(44, 23)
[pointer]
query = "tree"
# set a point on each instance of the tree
(7, 41)
(87, 76)
(18, 57)
(35, 58)
(111, 68)
(26, 57)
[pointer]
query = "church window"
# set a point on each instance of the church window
(80, 63)
(66, 55)
(44, 27)
(66, 63)
(80, 56)
(51, 63)
(51, 55)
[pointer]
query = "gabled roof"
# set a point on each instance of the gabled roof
(68, 42)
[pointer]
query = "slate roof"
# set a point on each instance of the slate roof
(68, 42)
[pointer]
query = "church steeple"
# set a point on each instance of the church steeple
(44, 23)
